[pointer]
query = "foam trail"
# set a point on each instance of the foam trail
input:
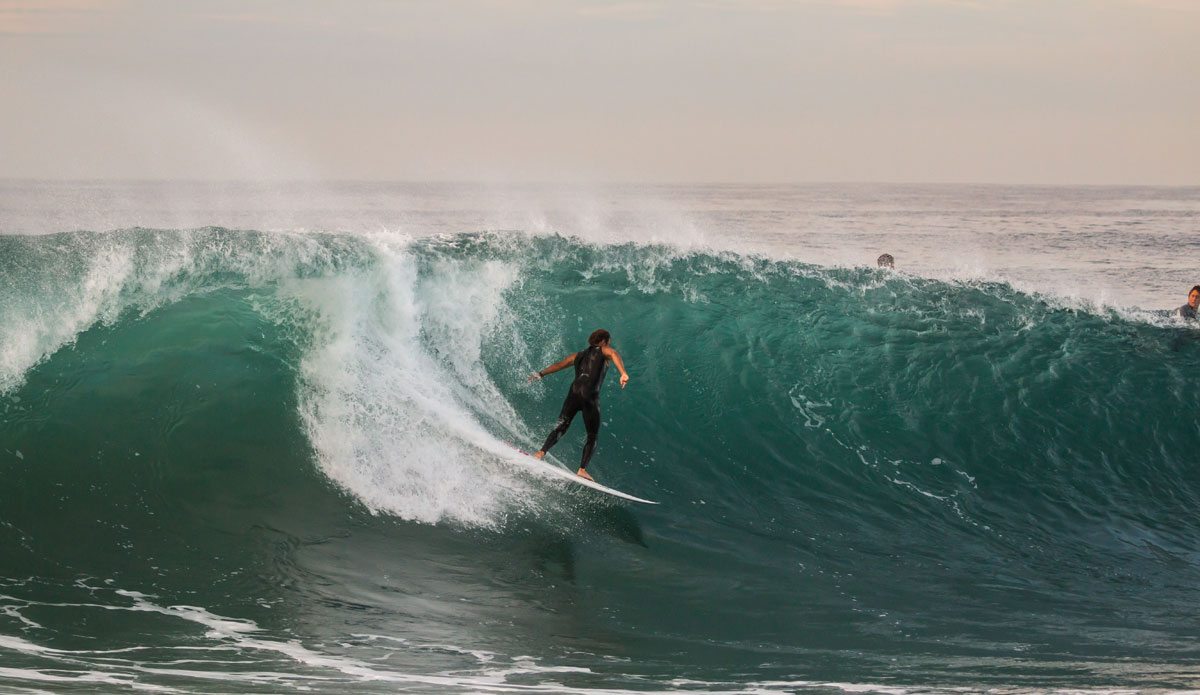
(388, 420)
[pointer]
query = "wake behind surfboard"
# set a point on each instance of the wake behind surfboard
(568, 475)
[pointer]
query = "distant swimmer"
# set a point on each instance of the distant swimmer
(886, 261)
(1188, 311)
(590, 367)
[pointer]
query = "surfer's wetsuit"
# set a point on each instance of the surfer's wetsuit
(1186, 311)
(584, 396)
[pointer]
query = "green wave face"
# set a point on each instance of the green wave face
(864, 476)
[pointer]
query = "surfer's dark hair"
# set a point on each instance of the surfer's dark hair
(1195, 288)
(599, 336)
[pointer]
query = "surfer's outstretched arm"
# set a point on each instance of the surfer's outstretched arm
(616, 359)
(557, 366)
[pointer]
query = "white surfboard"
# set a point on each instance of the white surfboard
(568, 475)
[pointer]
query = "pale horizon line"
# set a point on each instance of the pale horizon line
(574, 182)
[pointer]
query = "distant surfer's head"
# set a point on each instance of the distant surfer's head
(886, 261)
(599, 336)
(1194, 297)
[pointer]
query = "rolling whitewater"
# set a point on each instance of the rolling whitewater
(239, 460)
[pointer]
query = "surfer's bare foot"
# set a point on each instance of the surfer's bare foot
(540, 455)
(584, 474)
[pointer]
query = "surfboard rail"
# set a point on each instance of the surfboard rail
(565, 474)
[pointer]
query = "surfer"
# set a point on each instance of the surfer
(590, 367)
(886, 261)
(1188, 311)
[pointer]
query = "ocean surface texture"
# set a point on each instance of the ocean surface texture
(252, 439)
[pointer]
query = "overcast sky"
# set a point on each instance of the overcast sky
(1019, 91)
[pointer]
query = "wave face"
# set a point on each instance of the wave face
(259, 462)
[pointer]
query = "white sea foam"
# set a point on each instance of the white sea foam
(393, 384)
(237, 653)
(43, 322)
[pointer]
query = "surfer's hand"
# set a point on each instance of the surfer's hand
(624, 380)
(538, 377)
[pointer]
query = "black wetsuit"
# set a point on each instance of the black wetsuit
(584, 396)
(1186, 311)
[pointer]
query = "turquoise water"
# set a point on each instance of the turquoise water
(242, 461)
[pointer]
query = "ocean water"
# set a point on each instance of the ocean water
(252, 439)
